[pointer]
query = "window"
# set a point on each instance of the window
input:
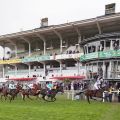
(107, 45)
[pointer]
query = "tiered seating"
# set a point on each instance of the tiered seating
(71, 50)
(37, 53)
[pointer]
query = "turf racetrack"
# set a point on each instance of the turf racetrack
(61, 109)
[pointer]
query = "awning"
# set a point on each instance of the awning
(22, 79)
(68, 77)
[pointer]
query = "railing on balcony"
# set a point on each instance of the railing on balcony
(100, 55)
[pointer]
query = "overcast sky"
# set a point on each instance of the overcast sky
(16, 15)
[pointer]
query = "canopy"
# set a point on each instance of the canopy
(68, 77)
(22, 79)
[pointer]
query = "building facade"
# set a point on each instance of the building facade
(82, 48)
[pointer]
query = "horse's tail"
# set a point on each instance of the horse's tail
(85, 92)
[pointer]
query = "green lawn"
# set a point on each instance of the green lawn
(62, 109)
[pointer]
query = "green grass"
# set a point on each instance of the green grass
(62, 109)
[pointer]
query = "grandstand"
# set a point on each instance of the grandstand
(81, 48)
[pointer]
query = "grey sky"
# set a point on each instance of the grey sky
(26, 14)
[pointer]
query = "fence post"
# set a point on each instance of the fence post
(103, 96)
(72, 94)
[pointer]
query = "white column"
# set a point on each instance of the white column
(78, 63)
(87, 48)
(15, 70)
(103, 96)
(44, 47)
(111, 45)
(29, 67)
(4, 52)
(29, 49)
(3, 71)
(109, 71)
(92, 69)
(15, 51)
(61, 46)
(60, 68)
(104, 69)
(44, 65)
(86, 71)
(79, 39)
(104, 45)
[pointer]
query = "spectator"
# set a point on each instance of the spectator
(77, 51)
(110, 94)
(67, 52)
(73, 52)
(69, 86)
(116, 47)
(118, 92)
(70, 51)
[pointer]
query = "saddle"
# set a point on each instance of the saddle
(49, 92)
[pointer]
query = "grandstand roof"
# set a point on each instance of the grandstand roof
(107, 23)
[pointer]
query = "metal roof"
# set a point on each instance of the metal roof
(107, 23)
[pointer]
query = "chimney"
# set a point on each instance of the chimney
(44, 22)
(110, 9)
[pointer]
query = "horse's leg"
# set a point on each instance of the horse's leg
(37, 97)
(43, 97)
(91, 97)
(1, 96)
(53, 99)
(29, 97)
(10, 98)
(88, 98)
(5, 96)
(14, 96)
(23, 97)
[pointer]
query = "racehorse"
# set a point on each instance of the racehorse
(51, 96)
(12, 93)
(31, 92)
(94, 94)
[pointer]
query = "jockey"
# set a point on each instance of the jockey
(49, 87)
(25, 87)
(97, 84)
(12, 86)
(54, 87)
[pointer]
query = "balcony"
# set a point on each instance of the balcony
(100, 55)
